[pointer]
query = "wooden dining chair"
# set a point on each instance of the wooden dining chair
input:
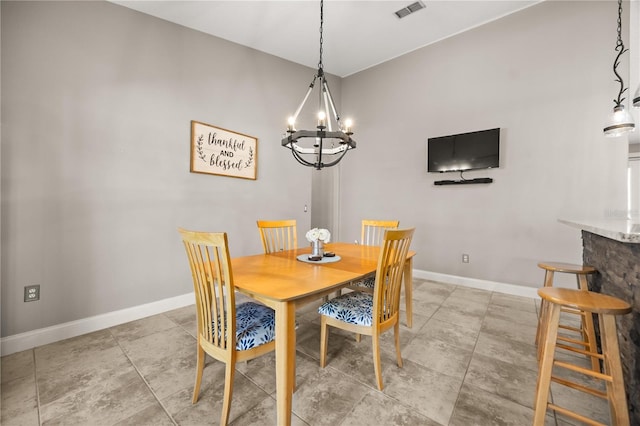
(226, 332)
(371, 235)
(372, 314)
(278, 235)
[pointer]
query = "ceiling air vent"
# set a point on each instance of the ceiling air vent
(413, 7)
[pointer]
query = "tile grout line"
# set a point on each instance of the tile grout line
(353, 408)
(473, 351)
(143, 379)
(372, 388)
(484, 318)
(256, 385)
(35, 379)
(555, 420)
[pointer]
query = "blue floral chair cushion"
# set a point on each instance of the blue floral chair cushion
(368, 282)
(255, 325)
(353, 308)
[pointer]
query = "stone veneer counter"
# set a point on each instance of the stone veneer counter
(613, 248)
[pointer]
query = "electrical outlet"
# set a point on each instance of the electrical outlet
(465, 258)
(31, 293)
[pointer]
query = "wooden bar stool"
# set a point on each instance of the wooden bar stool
(606, 308)
(587, 341)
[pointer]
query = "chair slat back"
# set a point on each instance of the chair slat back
(210, 264)
(278, 235)
(373, 230)
(393, 255)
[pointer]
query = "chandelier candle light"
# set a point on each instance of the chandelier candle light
(318, 237)
(323, 147)
(619, 121)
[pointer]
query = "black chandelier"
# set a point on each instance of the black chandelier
(619, 121)
(323, 147)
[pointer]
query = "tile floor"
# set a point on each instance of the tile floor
(468, 360)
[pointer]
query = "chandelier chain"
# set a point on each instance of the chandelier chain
(620, 49)
(321, 25)
(323, 146)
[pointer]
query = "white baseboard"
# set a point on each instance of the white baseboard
(515, 290)
(44, 336)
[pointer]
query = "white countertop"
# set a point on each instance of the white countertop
(623, 230)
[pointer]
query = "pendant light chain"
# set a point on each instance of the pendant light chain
(321, 24)
(619, 122)
(620, 49)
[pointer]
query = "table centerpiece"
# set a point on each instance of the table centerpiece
(318, 237)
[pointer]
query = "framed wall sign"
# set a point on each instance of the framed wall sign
(222, 152)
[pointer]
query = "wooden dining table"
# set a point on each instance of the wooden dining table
(282, 282)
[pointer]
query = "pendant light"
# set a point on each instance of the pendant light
(619, 121)
(322, 147)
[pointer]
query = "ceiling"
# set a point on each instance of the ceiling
(357, 34)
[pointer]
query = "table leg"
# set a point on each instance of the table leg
(285, 360)
(408, 290)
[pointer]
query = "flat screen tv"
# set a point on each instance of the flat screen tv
(464, 151)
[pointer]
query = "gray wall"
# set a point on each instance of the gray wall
(544, 76)
(97, 101)
(96, 107)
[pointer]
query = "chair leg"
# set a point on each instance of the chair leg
(199, 369)
(612, 367)
(583, 284)
(545, 312)
(548, 345)
(548, 282)
(375, 338)
(358, 337)
(324, 339)
(540, 325)
(588, 330)
(408, 296)
(396, 334)
(229, 374)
